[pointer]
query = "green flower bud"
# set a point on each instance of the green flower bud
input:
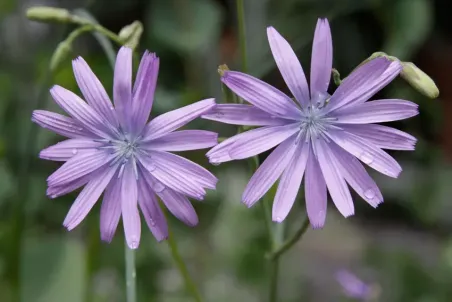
(131, 34)
(222, 69)
(419, 80)
(49, 14)
(60, 54)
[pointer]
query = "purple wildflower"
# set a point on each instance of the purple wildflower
(114, 149)
(355, 288)
(319, 135)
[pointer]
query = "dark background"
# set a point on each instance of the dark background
(404, 246)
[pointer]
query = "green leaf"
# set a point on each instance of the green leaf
(53, 269)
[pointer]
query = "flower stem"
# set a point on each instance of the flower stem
(131, 275)
(189, 284)
(279, 251)
(242, 33)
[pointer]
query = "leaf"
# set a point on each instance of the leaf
(53, 269)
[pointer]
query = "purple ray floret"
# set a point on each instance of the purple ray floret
(323, 137)
(114, 149)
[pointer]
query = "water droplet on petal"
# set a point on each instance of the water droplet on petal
(74, 151)
(152, 222)
(151, 167)
(112, 108)
(158, 187)
(278, 219)
(53, 196)
(215, 163)
(369, 193)
(366, 157)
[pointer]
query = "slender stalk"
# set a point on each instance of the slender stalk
(242, 33)
(131, 275)
(189, 284)
(279, 251)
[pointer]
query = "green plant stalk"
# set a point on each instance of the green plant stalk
(189, 284)
(284, 247)
(242, 33)
(131, 275)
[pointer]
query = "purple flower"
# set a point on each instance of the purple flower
(114, 149)
(320, 135)
(353, 287)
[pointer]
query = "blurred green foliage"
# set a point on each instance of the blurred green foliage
(404, 245)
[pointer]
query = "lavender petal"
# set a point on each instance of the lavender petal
(60, 124)
(220, 153)
(322, 58)
(241, 114)
(261, 95)
(93, 91)
(383, 137)
(175, 119)
(332, 172)
(56, 191)
(67, 149)
(110, 210)
(129, 207)
(289, 66)
(315, 192)
(144, 89)
(179, 206)
(290, 182)
(88, 197)
(151, 210)
(376, 111)
(256, 141)
(270, 170)
(368, 153)
(122, 87)
(184, 140)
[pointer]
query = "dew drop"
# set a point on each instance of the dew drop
(151, 167)
(369, 193)
(112, 108)
(53, 196)
(74, 151)
(152, 222)
(215, 163)
(366, 157)
(278, 219)
(158, 187)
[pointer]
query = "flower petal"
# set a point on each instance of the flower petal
(179, 206)
(366, 152)
(376, 112)
(364, 82)
(289, 66)
(151, 210)
(65, 150)
(129, 207)
(357, 177)
(241, 114)
(322, 58)
(220, 153)
(78, 166)
(332, 173)
(184, 140)
(60, 124)
(144, 89)
(290, 182)
(56, 191)
(79, 110)
(259, 140)
(382, 136)
(122, 87)
(173, 174)
(315, 192)
(261, 94)
(269, 171)
(93, 91)
(88, 197)
(175, 119)
(110, 210)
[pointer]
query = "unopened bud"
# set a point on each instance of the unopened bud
(49, 14)
(222, 69)
(59, 55)
(419, 80)
(130, 35)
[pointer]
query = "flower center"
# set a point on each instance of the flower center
(314, 121)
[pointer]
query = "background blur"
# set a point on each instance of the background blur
(405, 246)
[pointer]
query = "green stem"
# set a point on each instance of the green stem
(189, 284)
(274, 270)
(242, 33)
(131, 275)
(278, 252)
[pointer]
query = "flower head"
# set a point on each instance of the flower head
(323, 137)
(114, 149)
(355, 288)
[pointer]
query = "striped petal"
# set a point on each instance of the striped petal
(56, 191)
(322, 58)
(261, 94)
(60, 124)
(110, 210)
(184, 140)
(67, 149)
(270, 170)
(315, 192)
(241, 114)
(129, 207)
(122, 87)
(289, 66)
